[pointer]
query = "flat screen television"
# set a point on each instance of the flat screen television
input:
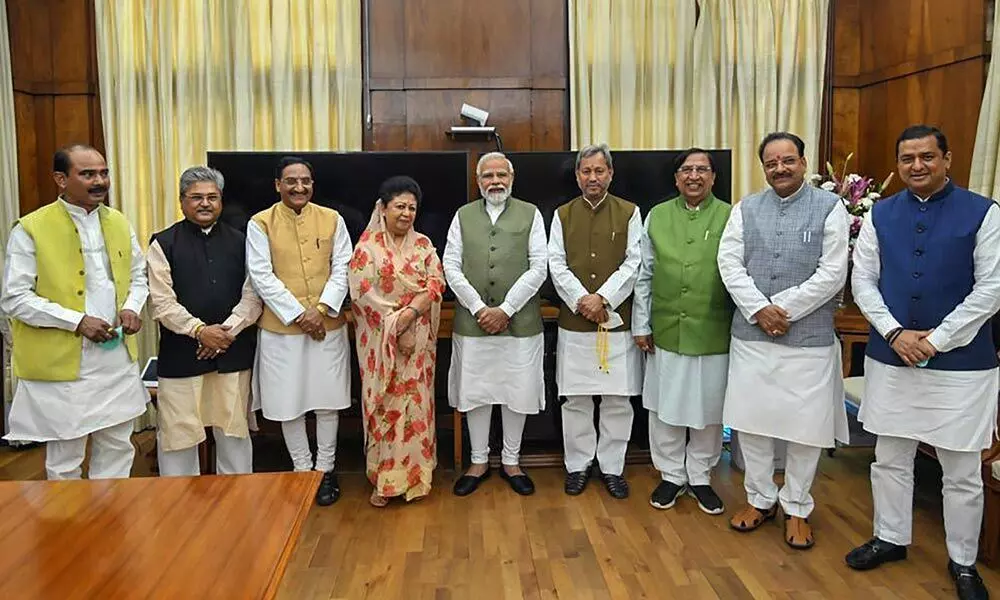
(348, 182)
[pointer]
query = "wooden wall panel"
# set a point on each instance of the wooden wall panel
(53, 55)
(901, 62)
(428, 57)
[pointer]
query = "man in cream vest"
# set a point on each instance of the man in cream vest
(297, 256)
(681, 317)
(495, 261)
(74, 286)
(594, 256)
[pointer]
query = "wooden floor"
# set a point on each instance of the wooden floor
(495, 544)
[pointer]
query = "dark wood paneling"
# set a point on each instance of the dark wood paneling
(901, 62)
(467, 38)
(53, 56)
(898, 31)
(427, 57)
(932, 97)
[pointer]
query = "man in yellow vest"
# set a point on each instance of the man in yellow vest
(297, 258)
(74, 286)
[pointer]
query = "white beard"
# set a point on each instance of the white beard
(496, 198)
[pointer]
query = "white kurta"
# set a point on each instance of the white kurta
(954, 410)
(498, 369)
(685, 391)
(578, 369)
(793, 394)
(109, 390)
(295, 374)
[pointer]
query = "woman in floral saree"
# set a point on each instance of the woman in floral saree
(396, 286)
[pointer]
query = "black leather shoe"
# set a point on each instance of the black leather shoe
(467, 484)
(873, 553)
(968, 583)
(329, 489)
(616, 484)
(576, 482)
(521, 484)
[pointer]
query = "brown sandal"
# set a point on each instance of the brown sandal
(378, 501)
(798, 533)
(751, 517)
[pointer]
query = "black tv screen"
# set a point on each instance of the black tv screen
(645, 177)
(348, 182)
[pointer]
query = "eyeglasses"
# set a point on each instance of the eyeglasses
(292, 181)
(699, 169)
(199, 198)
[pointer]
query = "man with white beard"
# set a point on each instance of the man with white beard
(495, 261)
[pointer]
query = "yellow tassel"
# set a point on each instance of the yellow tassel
(602, 348)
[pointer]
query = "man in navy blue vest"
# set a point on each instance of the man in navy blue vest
(927, 278)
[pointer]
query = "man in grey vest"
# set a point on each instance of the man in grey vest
(495, 262)
(783, 258)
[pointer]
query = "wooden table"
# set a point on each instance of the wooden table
(170, 537)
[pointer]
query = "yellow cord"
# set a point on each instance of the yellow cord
(602, 348)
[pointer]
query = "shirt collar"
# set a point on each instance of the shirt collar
(78, 211)
(948, 187)
(793, 196)
(599, 202)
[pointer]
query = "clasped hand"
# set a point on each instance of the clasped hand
(912, 346)
(592, 308)
(311, 323)
(214, 340)
(492, 320)
(98, 330)
(773, 320)
(645, 343)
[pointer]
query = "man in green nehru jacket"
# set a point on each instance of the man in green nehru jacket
(681, 318)
(495, 262)
(74, 287)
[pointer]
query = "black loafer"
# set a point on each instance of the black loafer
(968, 583)
(616, 484)
(873, 553)
(329, 489)
(576, 482)
(521, 484)
(467, 484)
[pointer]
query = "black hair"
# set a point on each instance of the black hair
(781, 135)
(399, 184)
(61, 162)
(288, 161)
(916, 132)
(683, 156)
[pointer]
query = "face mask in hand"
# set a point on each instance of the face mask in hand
(113, 342)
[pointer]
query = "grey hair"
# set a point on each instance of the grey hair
(193, 175)
(594, 150)
(493, 156)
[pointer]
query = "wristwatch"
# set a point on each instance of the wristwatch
(322, 309)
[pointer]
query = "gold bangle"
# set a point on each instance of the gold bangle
(321, 309)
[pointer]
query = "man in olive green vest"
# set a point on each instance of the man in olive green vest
(495, 261)
(297, 257)
(594, 256)
(74, 287)
(681, 317)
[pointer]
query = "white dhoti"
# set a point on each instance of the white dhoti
(187, 406)
(786, 393)
(296, 374)
(684, 397)
(953, 411)
(503, 370)
(579, 377)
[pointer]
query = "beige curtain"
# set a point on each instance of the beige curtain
(9, 203)
(984, 177)
(667, 74)
(179, 78)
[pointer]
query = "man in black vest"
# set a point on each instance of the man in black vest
(206, 308)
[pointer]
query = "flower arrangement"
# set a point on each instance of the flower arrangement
(858, 193)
